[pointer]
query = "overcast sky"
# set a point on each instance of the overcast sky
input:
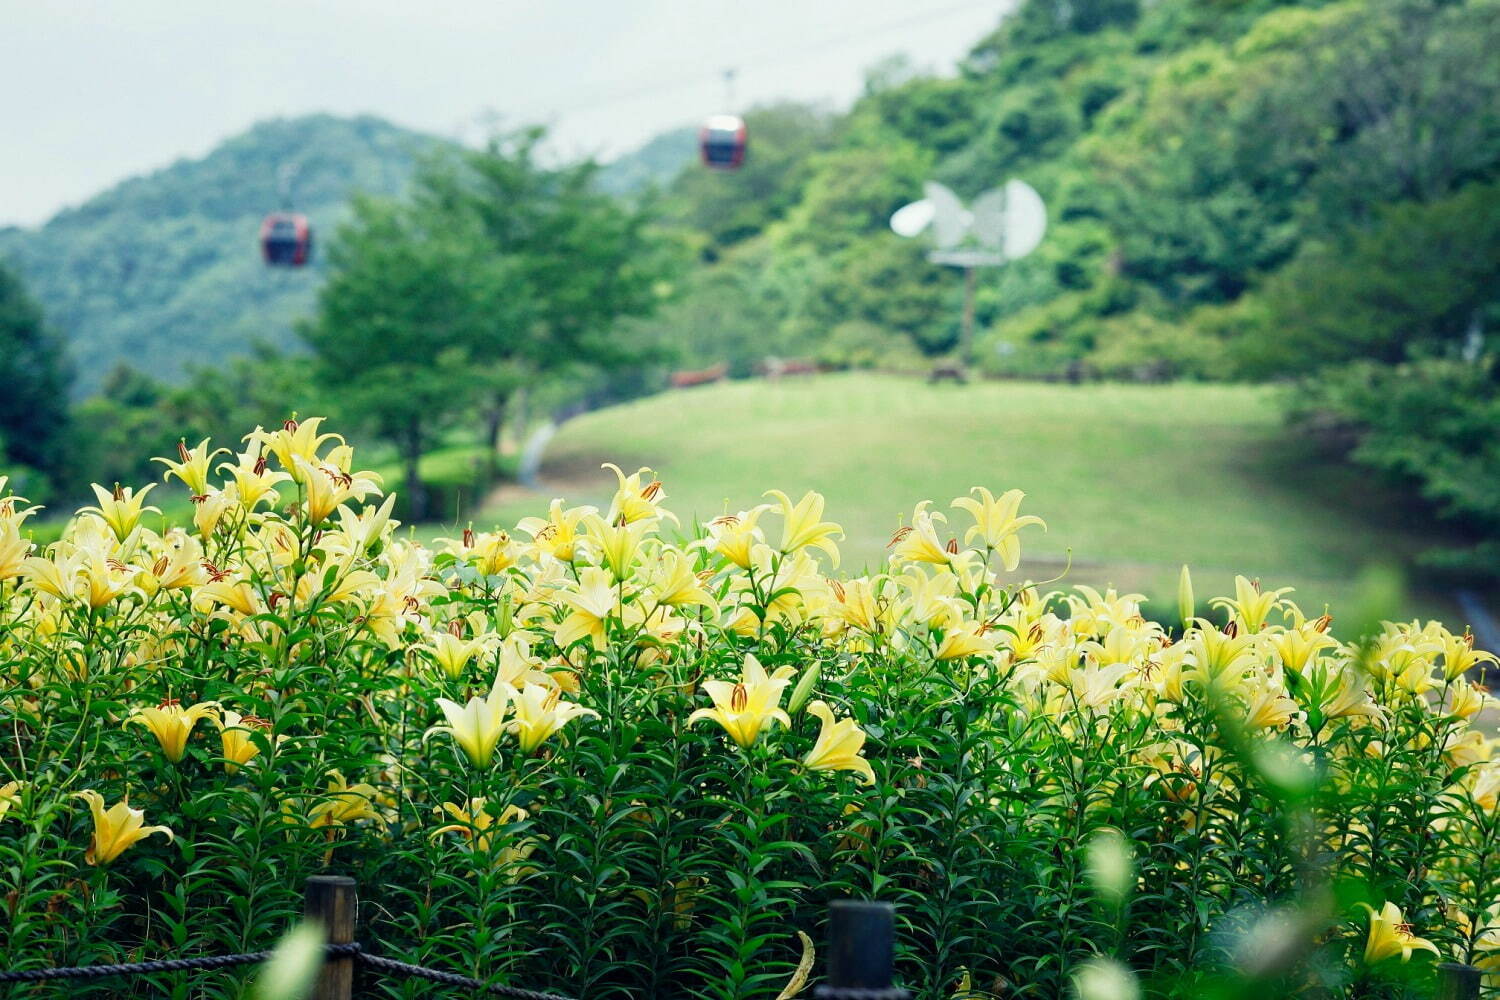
(93, 91)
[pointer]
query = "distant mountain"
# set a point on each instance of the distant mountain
(655, 164)
(164, 271)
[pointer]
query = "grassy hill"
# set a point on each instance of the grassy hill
(164, 271)
(1133, 480)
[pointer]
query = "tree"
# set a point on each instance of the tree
(1421, 282)
(35, 376)
(416, 308)
(729, 208)
(574, 261)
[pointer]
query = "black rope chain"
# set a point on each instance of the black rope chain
(386, 965)
(453, 979)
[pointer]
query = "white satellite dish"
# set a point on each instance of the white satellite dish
(910, 220)
(1004, 223)
(1023, 219)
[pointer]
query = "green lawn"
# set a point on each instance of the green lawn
(1133, 480)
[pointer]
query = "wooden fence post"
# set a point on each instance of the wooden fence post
(331, 900)
(1457, 982)
(861, 952)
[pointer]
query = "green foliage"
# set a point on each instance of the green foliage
(34, 377)
(1430, 423)
(727, 208)
(1422, 280)
(164, 271)
(496, 270)
(1206, 144)
(414, 308)
(661, 755)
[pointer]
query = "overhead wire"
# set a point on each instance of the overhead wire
(695, 76)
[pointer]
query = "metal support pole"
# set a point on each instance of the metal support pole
(331, 900)
(861, 952)
(966, 332)
(1457, 982)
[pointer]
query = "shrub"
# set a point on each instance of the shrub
(611, 755)
(1429, 424)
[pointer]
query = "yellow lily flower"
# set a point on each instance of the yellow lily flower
(996, 523)
(838, 745)
(476, 825)
(1297, 646)
(919, 541)
(1463, 750)
(965, 640)
(179, 568)
(750, 707)
(1227, 654)
(294, 440)
(593, 603)
(13, 551)
(1348, 694)
(634, 502)
(192, 470)
(362, 529)
(234, 736)
(1460, 656)
(209, 509)
(329, 488)
(452, 653)
(236, 594)
(538, 711)
(172, 724)
(1250, 606)
(857, 604)
(1269, 706)
(253, 480)
(494, 552)
(104, 580)
(556, 535)
(345, 803)
(475, 726)
(1484, 787)
(1468, 700)
(803, 526)
(121, 509)
(675, 585)
(618, 542)
(1390, 935)
(10, 795)
(931, 601)
(1098, 686)
(735, 536)
(115, 829)
(10, 510)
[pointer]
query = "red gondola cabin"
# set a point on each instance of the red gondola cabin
(286, 239)
(723, 142)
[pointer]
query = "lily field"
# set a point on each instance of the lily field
(632, 746)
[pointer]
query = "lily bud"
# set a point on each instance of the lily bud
(1185, 604)
(805, 684)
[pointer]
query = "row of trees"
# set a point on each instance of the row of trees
(1270, 189)
(35, 439)
(496, 271)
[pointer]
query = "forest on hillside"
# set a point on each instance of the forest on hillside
(1303, 192)
(163, 271)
